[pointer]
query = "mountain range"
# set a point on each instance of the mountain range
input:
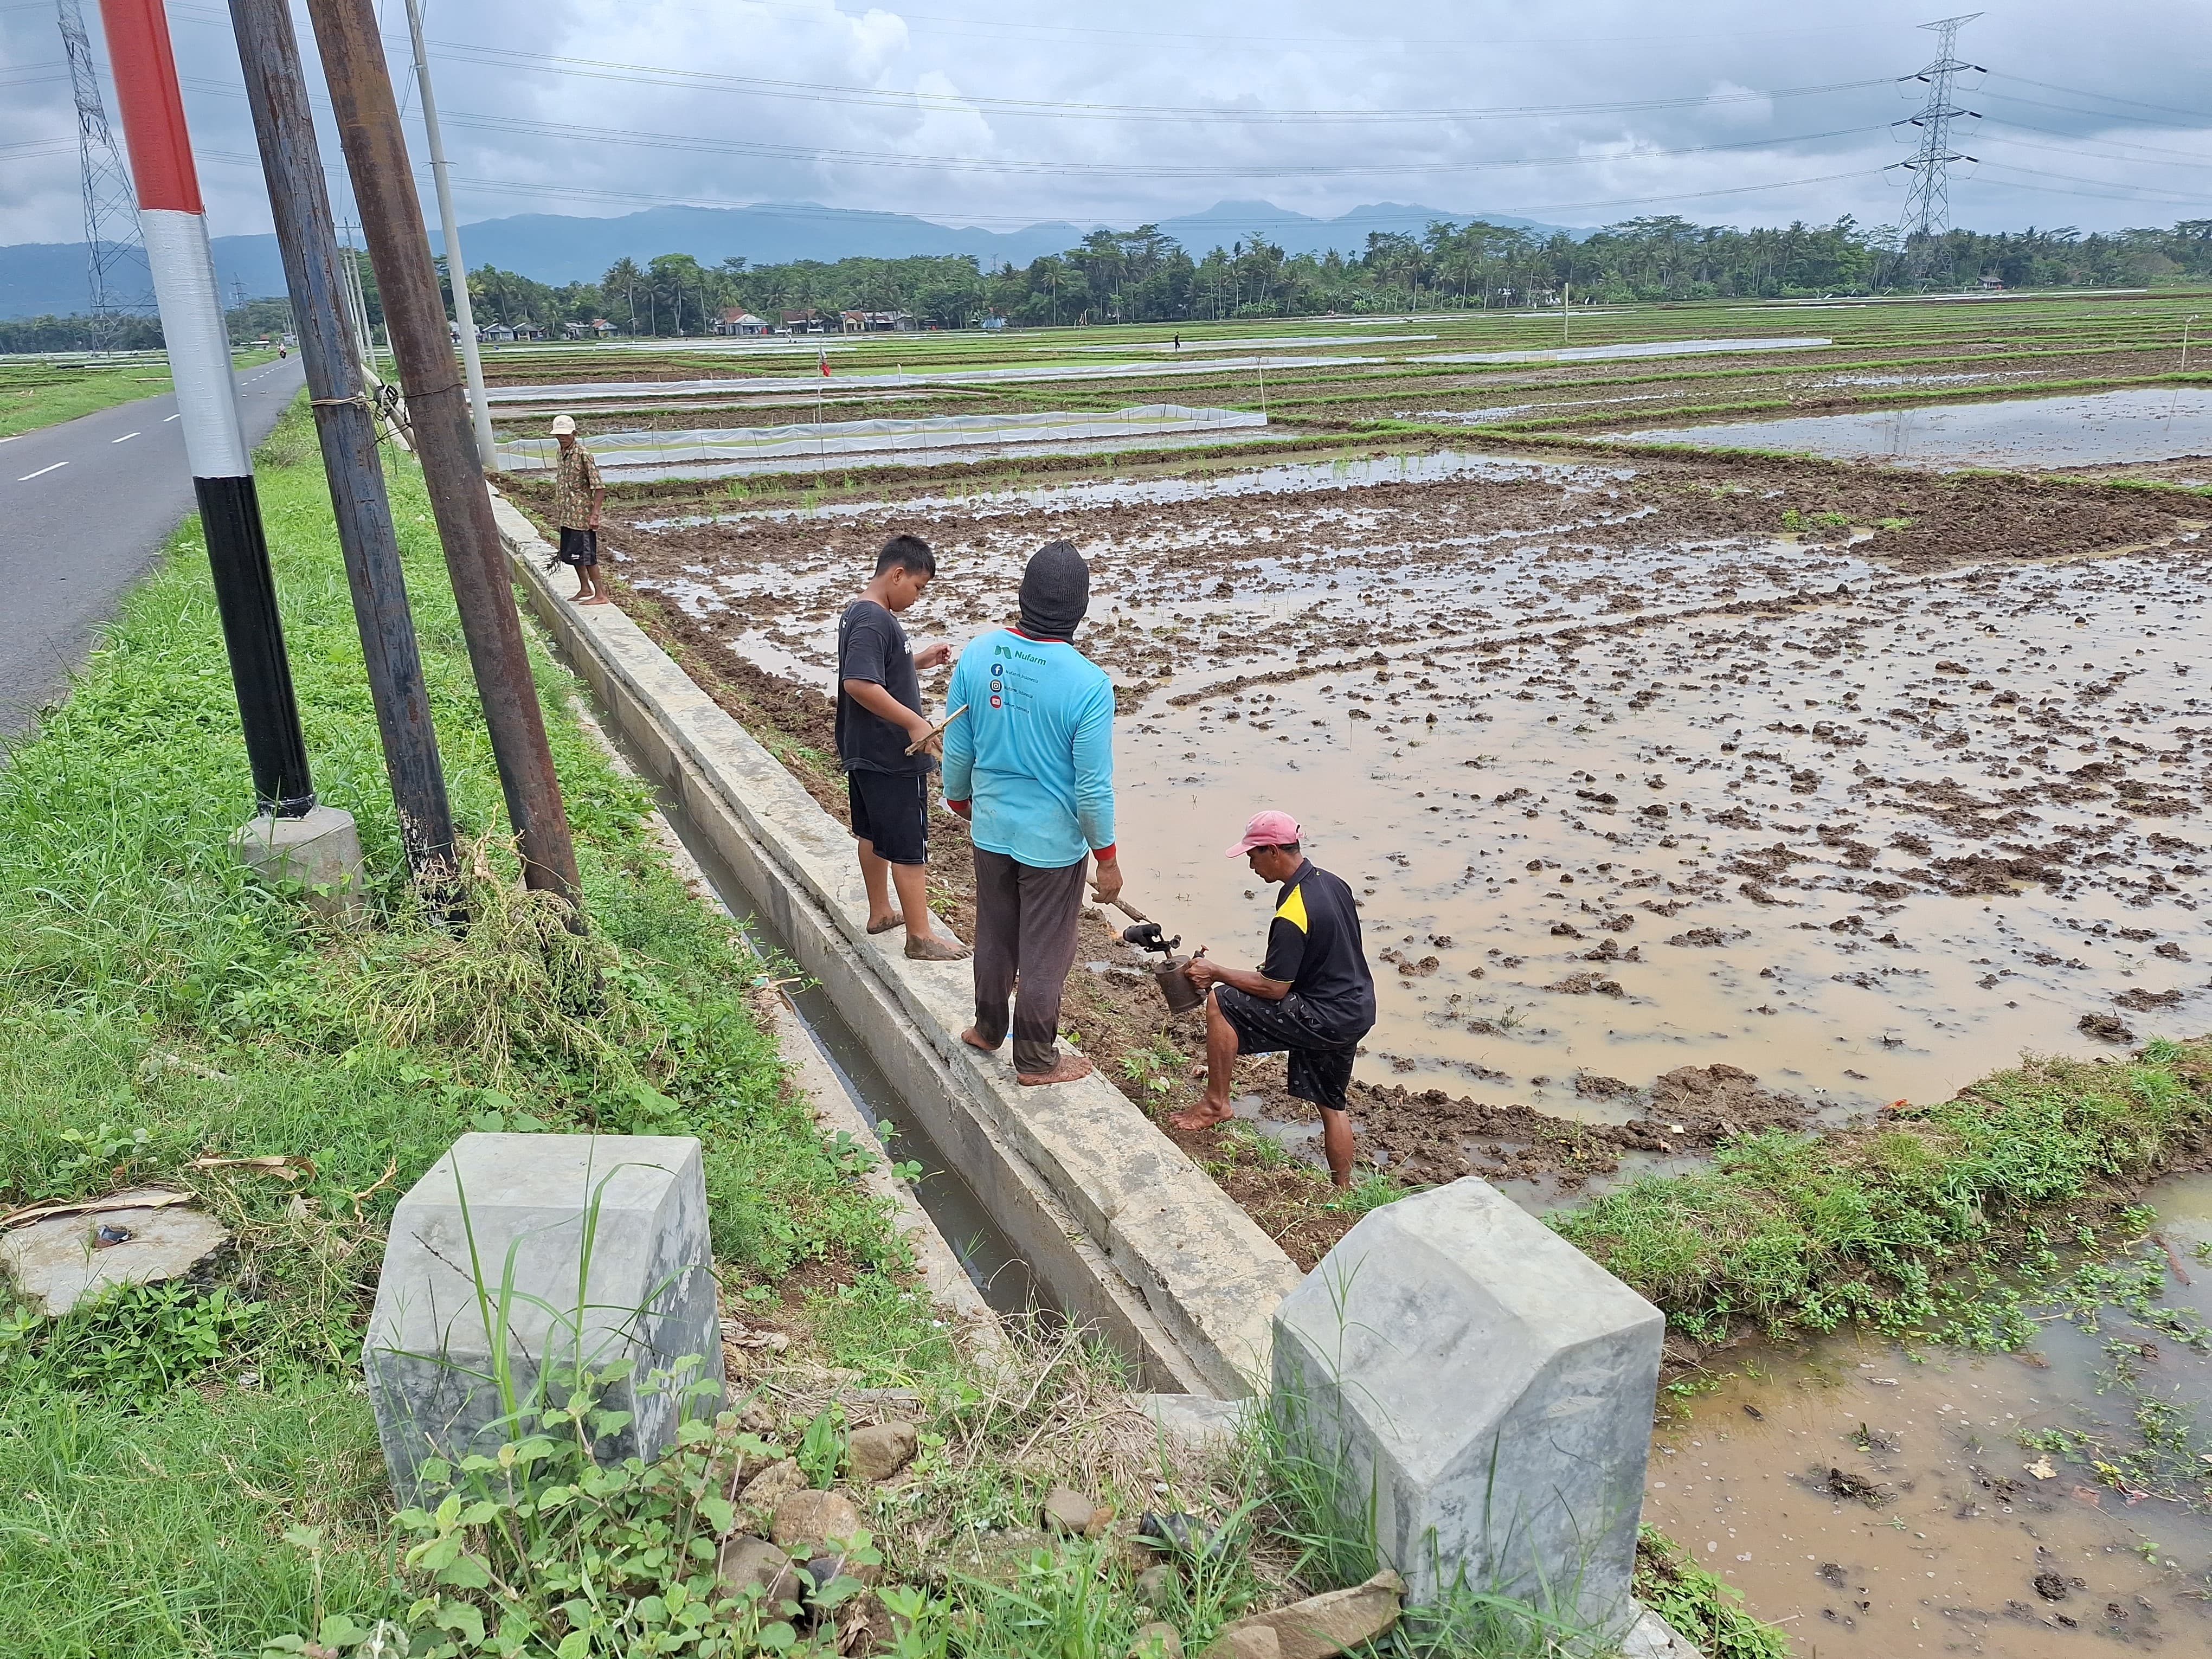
(39, 278)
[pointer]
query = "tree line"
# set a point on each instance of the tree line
(1145, 275)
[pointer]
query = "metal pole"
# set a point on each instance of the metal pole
(457, 269)
(269, 52)
(175, 224)
(383, 182)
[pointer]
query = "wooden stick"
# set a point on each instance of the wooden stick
(937, 730)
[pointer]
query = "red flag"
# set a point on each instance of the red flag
(825, 363)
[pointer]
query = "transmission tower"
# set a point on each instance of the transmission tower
(121, 283)
(1928, 199)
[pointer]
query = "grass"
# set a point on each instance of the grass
(1899, 1224)
(160, 1005)
(35, 393)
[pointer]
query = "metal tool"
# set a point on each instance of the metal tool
(1172, 976)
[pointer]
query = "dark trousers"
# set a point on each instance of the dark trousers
(1025, 922)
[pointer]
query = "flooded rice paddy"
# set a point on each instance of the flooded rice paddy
(2097, 429)
(1629, 779)
(1877, 1501)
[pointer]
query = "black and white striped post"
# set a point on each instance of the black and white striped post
(292, 837)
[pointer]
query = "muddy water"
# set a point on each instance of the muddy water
(1969, 1542)
(1615, 803)
(2095, 430)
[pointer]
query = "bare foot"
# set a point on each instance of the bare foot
(1204, 1115)
(884, 924)
(934, 947)
(1070, 1067)
(970, 1037)
(597, 598)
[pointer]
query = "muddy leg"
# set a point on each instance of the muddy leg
(1221, 1058)
(1336, 1144)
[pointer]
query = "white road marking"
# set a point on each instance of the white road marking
(42, 472)
(11, 438)
(125, 439)
(165, 419)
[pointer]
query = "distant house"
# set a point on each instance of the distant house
(876, 322)
(499, 333)
(603, 328)
(809, 321)
(1992, 283)
(574, 330)
(992, 325)
(736, 320)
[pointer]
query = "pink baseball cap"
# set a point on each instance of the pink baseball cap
(1267, 830)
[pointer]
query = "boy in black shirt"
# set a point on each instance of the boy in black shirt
(879, 716)
(1313, 996)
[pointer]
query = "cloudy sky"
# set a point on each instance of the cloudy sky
(973, 111)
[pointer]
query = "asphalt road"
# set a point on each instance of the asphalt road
(84, 507)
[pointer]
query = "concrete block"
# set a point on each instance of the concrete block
(648, 1299)
(1487, 1390)
(61, 1261)
(320, 851)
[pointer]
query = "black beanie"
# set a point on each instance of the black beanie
(1055, 592)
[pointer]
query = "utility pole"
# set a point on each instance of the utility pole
(114, 254)
(1928, 200)
(383, 183)
(457, 269)
(269, 52)
(175, 225)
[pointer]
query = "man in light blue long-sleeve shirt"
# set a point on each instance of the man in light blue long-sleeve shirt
(1030, 767)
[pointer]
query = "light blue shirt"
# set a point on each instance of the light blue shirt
(1034, 754)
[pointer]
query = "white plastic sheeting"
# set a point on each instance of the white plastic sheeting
(848, 438)
(583, 392)
(1630, 349)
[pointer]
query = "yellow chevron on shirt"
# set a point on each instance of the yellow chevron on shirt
(1294, 909)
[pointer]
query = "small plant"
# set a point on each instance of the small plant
(130, 1345)
(821, 1452)
(1705, 1610)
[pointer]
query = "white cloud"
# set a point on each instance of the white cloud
(999, 114)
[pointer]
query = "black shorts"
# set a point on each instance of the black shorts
(579, 547)
(1320, 1050)
(891, 810)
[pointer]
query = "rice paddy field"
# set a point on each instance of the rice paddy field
(1691, 780)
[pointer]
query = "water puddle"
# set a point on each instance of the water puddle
(1629, 348)
(929, 438)
(583, 393)
(1875, 1502)
(2097, 429)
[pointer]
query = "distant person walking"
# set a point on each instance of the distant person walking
(577, 494)
(878, 718)
(1030, 767)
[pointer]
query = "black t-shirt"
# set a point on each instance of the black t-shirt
(1313, 946)
(872, 646)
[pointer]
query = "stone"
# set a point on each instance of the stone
(1487, 1390)
(772, 1485)
(1157, 1640)
(1067, 1512)
(1244, 1642)
(1196, 1421)
(57, 1262)
(1155, 1583)
(1333, 1622)
(879, 1452)
(650, 1300)
(747, 1561)
(814, 1518)
(319, 852)
(1653, 1637)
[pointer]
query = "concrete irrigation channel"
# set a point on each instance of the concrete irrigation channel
(1686, 795)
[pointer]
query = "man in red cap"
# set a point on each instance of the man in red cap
(1312, 997)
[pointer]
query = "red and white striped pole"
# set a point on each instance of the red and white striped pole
(174, 225)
